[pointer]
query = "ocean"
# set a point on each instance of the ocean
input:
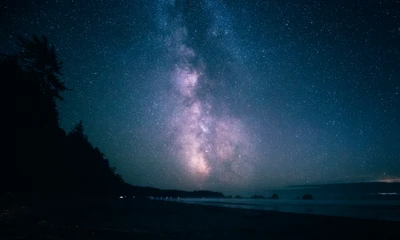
(358, 200)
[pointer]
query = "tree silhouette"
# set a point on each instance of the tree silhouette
(77, 131)
(47, 160)
(40, 58)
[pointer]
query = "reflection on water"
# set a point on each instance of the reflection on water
(382, 210)
(276, 208)
(308, 210)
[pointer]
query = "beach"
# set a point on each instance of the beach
(149, 219)
(366, 209)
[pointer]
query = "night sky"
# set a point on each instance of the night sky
(232, 96)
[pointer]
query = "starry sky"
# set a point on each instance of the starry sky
(231, 96)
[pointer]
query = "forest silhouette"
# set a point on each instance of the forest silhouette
(47, 159)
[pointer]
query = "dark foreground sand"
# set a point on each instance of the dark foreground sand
(150, 219)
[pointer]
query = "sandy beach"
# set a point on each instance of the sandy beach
(150, 219)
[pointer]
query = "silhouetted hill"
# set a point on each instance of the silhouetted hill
(144, 192)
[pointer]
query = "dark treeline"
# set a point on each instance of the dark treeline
(144, 192)
(47, 159)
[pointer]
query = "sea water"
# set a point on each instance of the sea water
(369, 201)
(381, 210)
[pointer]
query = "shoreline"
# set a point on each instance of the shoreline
(150, 219)
(378, 210)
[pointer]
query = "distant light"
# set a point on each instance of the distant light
(121, 196)
(389, 180)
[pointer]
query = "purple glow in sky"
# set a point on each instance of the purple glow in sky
(207, 146)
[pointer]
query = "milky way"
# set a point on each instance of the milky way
(231, 96)
(209, 148)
